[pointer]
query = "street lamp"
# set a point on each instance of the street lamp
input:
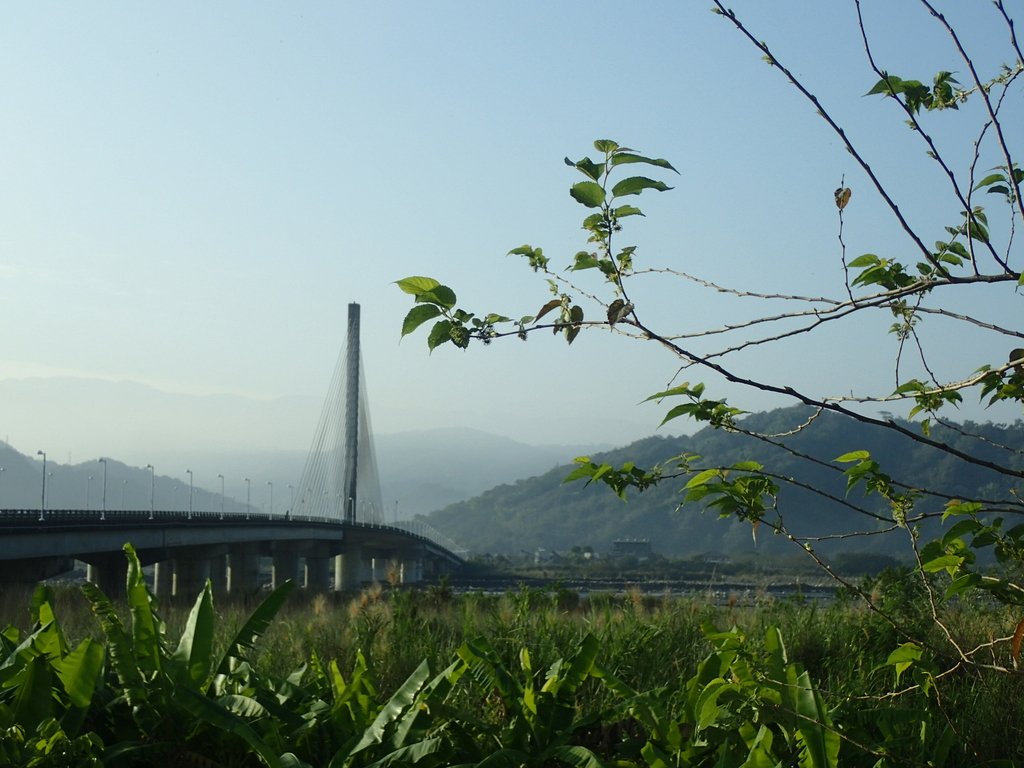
(221, 495)
(248, 497)
(271, 485)
(2, 470)
(103, 512)
(190, 486)
(42, 501)
(291, 490)
(152, 487)
(88, 493)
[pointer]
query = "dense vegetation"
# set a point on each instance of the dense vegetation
(546, 512)
(954, 273)
(531, 678)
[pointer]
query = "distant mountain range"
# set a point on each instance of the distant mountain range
(230, 435)
(545, 512)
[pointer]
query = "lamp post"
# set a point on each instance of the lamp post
(221, 495)
(291, 490)
(190, 487)
(271, 486)
(248, 497)
(103, 509)
(88, 493)
(152, 487)
(42, 501)
(2, 470)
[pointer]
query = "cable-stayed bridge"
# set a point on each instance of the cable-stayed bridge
(334, 537)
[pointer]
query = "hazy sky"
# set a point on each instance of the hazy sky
(191, 193)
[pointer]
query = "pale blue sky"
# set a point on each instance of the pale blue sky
(192, 193)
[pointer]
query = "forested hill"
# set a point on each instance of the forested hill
(545, 512)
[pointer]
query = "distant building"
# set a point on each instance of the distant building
(638, 548)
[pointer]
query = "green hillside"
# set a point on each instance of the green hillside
(545, 512)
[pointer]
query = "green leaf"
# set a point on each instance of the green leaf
(397, 704)
(80, 671)
(605, 145)
(439, 334)
(548, 307)
(589, 193)
(587, 167)
(195, 648)
(622, 158)
(255, 626)
(33, 700)
(903, 657)
(417, 285)
(634, 185)
(852, 456)
(418, 315)
(867, 260)
(989, 180)
(441, 295)
(626, 210)
(820, 739)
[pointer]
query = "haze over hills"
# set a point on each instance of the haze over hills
(265, 440)
(546, 512)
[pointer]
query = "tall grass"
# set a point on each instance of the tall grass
(648, 642)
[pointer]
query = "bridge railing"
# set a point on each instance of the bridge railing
(56, 517)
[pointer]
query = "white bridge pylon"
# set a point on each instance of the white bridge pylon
(340, 479)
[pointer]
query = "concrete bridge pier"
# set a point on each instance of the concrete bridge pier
(190, 575)
(318, 574)
(163, 578)
(109, 572)
(348, 567)
(286, 566)
(244, 569)
(412, 567)
(219, 574)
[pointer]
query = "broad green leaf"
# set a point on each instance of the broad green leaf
(903, 657)
(605, 145)
(820, 739)
(554, 303)
(33, 698)
(747, 466)
(439, 334)
(208, 711)
(943, 562)
(418, 315)
(80, 671)
(866, 260)
(575, 756)
(195, 648)
(417, 285)
(589, 193)
(441, 295)
(675, 413)
(846, 458)
(702, 477)
(622, 158)
(682, 389)
(255, 626)
(707, 708)
(634, 185)
(990, 179)
(627, 210)
(397, 704)
(889, 84)
(587, 167)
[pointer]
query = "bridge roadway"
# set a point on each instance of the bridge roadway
(186, 549)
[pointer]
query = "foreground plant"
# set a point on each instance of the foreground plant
(976, 251)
